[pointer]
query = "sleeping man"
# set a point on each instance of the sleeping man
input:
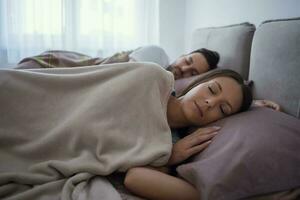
(194, 63)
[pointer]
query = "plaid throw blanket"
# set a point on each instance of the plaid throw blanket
(59, 58)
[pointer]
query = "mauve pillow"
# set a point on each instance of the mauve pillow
(256, 152)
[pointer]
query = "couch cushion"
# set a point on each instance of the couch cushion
(275, 63)
(256, 152)
(233, 43)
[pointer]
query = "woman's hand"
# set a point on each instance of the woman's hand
(267, 103)
(192, 144)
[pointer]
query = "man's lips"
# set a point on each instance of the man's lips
(199, 109)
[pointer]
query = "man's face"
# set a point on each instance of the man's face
(189, 65)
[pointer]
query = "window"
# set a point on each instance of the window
(93, 27)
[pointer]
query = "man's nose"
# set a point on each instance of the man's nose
(186, 71)
(186, 68)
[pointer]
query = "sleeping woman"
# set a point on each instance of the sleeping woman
(215, 95)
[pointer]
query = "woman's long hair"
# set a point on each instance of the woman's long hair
(247, 94)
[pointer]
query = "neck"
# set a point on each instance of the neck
(175, 115)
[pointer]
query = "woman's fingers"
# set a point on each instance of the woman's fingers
(274, 106)
(199, 148)
(260, 103)
(192, 143)
(201, 142)
(202, 138)
(204, 131)
(268, 104)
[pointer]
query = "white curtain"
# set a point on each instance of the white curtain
(93, 27)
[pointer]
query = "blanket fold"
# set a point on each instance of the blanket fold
(61, 58)
(61, 127)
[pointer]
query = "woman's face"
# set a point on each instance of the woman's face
(212, 100)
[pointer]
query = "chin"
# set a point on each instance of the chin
(209, 122)
(195, 121)
(197, 124)
(191, 117)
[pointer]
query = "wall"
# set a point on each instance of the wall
(207, 13)
(172, 26)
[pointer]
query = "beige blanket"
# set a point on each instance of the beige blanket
(61, 129)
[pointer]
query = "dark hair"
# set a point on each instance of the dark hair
(247, 94)
(212, 57)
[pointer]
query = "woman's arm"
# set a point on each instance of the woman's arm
(156, 185)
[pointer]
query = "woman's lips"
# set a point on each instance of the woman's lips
(199, 109)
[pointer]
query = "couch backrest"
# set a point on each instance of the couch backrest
(275, 63)
(232, 42)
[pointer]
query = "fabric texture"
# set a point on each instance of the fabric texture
(60, 58)
(232, 42)
(255, 153)
(275, 63)
(64, 126)
(151, 53)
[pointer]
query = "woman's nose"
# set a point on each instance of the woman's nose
(210, 102)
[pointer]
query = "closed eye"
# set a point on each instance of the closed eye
(225, 109)
(211, 91)
(191, 60)
(194, 72)
(187, 61)
(222, 111)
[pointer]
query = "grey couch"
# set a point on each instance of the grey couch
(268, 54)
(232, 168)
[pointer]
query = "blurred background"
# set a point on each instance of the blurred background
(103, 27)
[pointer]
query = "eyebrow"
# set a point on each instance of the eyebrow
(220, 87)
(191, 59)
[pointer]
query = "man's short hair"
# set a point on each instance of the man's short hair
(212, 57)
